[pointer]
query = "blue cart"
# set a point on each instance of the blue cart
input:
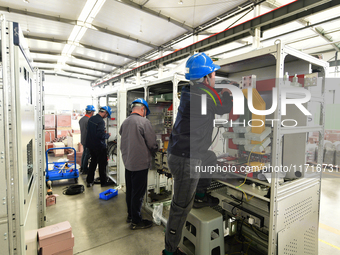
(62, 170)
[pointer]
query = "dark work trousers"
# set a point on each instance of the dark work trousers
(97, 157)
(183, 197)
(85, 160)
(209, 159)
(136, 182)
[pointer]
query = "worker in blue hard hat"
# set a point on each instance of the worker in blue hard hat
(95, 142)
(138, 144)
(83, 132)
(189, 145)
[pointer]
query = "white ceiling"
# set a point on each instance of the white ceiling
(123, 34)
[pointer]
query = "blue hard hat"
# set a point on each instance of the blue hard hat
(142, 101)
(90, 108)
(107, 109)
(198, 66)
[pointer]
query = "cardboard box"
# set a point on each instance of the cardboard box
(48, 146)
(63, 131)
(70, 157)
(76, 131)
(50, 121)
(67, 252)
(58, 247)
(80, 148)
(72, 141)
(49, 135)
(51, 200)
(58, 152)
(64, 121)
(54, 233)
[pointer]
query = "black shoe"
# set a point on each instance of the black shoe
(128, 220)
(177, 252)
(89, 184)
(141, 225)
(205, 201)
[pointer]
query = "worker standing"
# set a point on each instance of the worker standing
(83, 132)
(138, 143)
(189, 145)
(95, 142)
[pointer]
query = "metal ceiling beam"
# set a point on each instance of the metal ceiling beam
(127, 37)
(47, 39)
(88, 68)
(106, 51)
(46, 68)
(95, 61)
(67, 71)
(334, 63)
(54, 73)
(82, 45)
(75, 22)
(157, 14)
(45, 61)
(283, 15)
(203, 27)
(74, 56)
(286, 33)
(38, 15)
(45, 52)
(317, 30)
(276, 4)
(327, 38)
(67, 76)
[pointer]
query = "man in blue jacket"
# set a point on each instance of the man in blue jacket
(95, 142)
(189, 145)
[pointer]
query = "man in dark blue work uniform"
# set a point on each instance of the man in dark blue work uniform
(95, 142)
(189, 143)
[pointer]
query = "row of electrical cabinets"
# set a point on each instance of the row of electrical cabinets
(253, 200)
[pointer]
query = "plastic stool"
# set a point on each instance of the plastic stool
(203, 233)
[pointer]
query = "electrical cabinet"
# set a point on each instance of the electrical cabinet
(276, 207)
(22, 191)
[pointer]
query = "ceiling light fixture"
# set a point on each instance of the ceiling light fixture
(87, 15)
(26, 1)
(180, 2)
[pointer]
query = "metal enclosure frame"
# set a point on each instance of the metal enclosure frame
(122, 94)
(113, 93)
(295, 199)
(40, 148)
(294, 206)
(23, 201)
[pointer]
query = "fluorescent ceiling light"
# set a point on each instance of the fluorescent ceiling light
(90, 10)
(95, 11)
(87, 15)
(74, 33)
(87, 10)
(80, 34)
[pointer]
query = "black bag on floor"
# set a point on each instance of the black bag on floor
(74, 189)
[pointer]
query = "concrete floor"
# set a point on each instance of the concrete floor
(99, 226)
(329, 227)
